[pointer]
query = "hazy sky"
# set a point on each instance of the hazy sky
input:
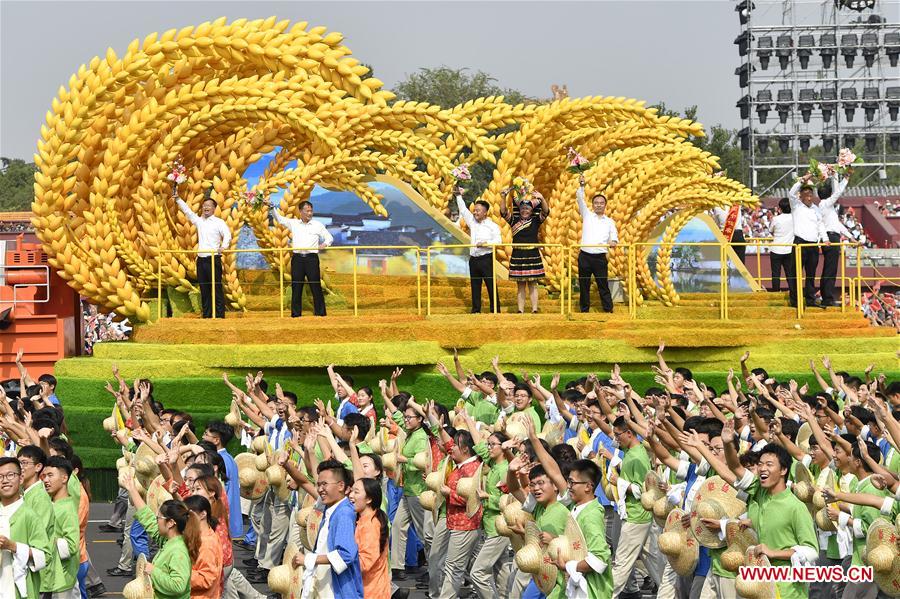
(680, 52)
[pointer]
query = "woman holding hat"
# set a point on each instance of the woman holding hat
(371, 538)
(177, 530)
(525, 264)
(494, 547)
(206, 571)
(463, 525)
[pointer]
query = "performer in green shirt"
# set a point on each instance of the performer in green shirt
(590, 578)
(23, 537)
(787, 534)
(638, 521)
(32, 460)
(495, 547)
(66, 531)
(409, 510)
(177, 530)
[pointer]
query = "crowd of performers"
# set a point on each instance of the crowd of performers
(527, 487)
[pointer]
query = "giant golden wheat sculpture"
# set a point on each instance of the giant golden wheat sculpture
(221, 94)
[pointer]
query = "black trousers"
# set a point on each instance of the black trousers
(305, 268)
(205, 267)
(595, 265)
(809, 260)
(738, 237)
(481, 270)
(831, 255)
(779, 263)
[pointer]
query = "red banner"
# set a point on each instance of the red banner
(730, 221)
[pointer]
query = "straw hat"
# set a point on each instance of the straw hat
(286, 580)
(312, 526)
(258, 444)
(514, 513)
(435, 481)
(303, 521)
(545, 578)
(122, 462)
(137, 483)
(276, 476)
(651, 491)
(233, 418)
(468, 486)
(389, 461)
(516, 430)
(715, 499)
(553, 432)
(109, 424)
(680, 548)
(422, 460)
(261, 462)
(157, 494)
(427, 499)
(570, 545)
(501, 525)
(141, 587)
(249, 477)
(145, 465)
(803, 436)
(530, 556)
(754, 589)
(826, 480)
(881, 546)
(889, 582)
(739, 539)
(661, 509)
(804, 485)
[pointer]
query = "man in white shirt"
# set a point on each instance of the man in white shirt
(781, 254)
(596, 229)
(308, 236)
(213, 236)
(808, 228)
(484, 234)
(834, 228)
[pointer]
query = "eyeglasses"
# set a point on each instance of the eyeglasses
(26, 462)
(490, 444)
(10, 476)
(572, 483)
(322, 485)
(407, 417)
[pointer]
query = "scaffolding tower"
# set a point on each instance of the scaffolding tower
(818, 73)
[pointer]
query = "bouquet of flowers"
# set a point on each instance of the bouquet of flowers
(177, 175)
(818, 172)
(577, 162)
(846, 160)
(254, 199)
(522, 187)
(461, 173)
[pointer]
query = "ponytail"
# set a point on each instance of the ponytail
(187, 523)
(191, 536)
(383, 521)
(372, 489)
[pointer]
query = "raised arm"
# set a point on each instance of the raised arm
(27, 381)
(454, 382)
(546, 460)
(464, 211)
(579, 198)
(837, 190)
(190, 214)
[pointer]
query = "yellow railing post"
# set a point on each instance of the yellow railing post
(418, 281)
(758, 263)
(158, 287)
(428, 281)
(280, 282)
(723, 281)
(798, 279)
(859, 274)
(843, 279)
(494, 291)
(569, 279)
(212, 278)
(355, 307)
(562, 286)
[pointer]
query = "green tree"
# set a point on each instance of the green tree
(16, 185)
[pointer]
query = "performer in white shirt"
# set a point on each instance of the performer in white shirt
(834, 228)
(484, 234)
(596, 229)
(781, 255)
(213, 236)
(808, 228)
(308, 236)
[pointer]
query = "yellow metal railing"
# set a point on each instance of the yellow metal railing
(353, 248)
(850, 285)
(455, 246)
